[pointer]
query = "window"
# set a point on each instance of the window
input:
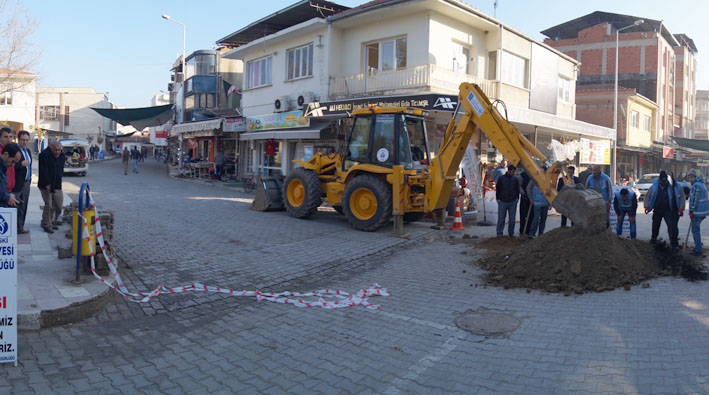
(383, 142)
(492, 65)
(200, 65)
(564, 90)
(514, 70)
(646, 123)
(359, 141)
(66, 115)
(6, 98)
(385, 55)
(300, 62)
(462, 61)
(48, 113)
(260, 72)
(204, 100)
(634, 119)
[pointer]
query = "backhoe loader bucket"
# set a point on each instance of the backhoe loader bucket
(268, 194)
(585, 207)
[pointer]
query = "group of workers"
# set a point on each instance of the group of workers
(665, 200)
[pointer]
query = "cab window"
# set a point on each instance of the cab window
(358, 151)
(416, 133)
(383, 142)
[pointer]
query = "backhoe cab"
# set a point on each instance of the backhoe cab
(358, 181)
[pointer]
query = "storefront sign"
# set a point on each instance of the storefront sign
(668, 152)
(278, 120)
(427, 102)
(234, 125)
(595, 152)
(8, 285)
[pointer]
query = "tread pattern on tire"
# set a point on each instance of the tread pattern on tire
(382, 191)
(313, 193)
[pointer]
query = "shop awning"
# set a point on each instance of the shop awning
(190, 127)
(634, 149)
(700, 145)
(140, 118)
(310, 133)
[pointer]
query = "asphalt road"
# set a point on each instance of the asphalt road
(175, 232)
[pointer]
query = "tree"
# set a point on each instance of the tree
(18, 54)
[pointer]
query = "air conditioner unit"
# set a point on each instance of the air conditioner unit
(281, 104)
(178, 77)
(170, 86)
(303, 100)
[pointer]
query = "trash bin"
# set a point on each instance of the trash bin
(86, 245)
(102, 155)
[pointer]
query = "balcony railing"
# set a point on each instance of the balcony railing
(427, 77)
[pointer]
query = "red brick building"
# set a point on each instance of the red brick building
(657, 64)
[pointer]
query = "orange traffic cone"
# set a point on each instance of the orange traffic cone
(458, 219)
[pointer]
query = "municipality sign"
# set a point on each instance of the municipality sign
(8, 285)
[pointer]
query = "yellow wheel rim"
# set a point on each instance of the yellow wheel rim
(363, 204)
(296, 192)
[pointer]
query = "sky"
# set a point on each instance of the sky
(126, 49)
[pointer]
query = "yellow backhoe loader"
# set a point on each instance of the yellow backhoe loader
(387, 170)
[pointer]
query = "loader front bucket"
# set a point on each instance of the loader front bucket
(268, 194)
(585, 207)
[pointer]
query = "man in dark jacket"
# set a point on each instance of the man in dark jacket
(666, 201)
(50, 176)
(10, 156)
(507, 194)
(560, 184)
(23, 179)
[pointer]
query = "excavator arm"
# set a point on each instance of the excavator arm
(584, 207)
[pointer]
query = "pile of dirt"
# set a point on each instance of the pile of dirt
(570, 260)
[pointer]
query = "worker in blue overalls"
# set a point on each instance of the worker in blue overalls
(626, 202)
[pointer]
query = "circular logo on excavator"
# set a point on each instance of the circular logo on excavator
(382, 154)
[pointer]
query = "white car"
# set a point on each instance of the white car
(646, 181)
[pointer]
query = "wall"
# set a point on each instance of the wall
(84, 123)
(444, 31)
(21, 111)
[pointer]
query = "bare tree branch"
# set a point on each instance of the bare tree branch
(18, 54)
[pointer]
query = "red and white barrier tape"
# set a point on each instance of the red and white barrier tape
(327, 298)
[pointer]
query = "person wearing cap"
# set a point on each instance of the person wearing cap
(507, 194)
(666, 202)
(698, 208)
(626, 202)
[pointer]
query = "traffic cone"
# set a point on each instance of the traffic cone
(458, 219)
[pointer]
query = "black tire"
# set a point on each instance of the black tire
(249, 186)
(381, 192)
(309, 198)
(413, 217)
(339, 210)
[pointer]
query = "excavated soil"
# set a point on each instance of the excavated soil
(569, 260)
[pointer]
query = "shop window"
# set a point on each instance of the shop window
(386, 55)
(300, 62)
(259, 72)
(515, 70)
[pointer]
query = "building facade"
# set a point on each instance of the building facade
(66, 112)
(17, 99)
(412, 53)
(702, 118)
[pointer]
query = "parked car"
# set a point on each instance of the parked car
(76, 153)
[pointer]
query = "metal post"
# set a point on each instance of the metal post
(78, 232)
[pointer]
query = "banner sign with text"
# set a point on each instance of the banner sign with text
(425, 101)
(595, 152)
(277, 120)
(8, 285)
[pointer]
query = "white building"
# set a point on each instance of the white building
(412, 53)
(66, 111)
(158, 134)
(17, 99)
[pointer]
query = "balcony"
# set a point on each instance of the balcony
(417, 79)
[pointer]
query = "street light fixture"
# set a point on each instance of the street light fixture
(615, 98)
(184, 70)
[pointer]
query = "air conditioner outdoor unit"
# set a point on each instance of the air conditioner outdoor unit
(303, 100)
(281, 104)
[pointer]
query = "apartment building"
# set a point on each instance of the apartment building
(701, 131)
(17, 99)
(657, 64)
(395, 53)
(66, 112)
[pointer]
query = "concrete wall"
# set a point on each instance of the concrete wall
(20, 114)
(84, 123)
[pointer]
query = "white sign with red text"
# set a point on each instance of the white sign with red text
(8, 285)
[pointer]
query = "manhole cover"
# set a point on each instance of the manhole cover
(487, 322)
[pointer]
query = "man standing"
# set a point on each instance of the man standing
(666, 202)
(626, 202)
(10, 156)
(698, 208)
(125, 158)
(219, 164)
(560, 184)
(524, 203)
(601, 183)
(507, 194)
(23, 179)
(5, 139)
(135, 155)
(499, 170)
(47, 183)
(541, 209)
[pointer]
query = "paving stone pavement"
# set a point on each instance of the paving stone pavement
(174, 232)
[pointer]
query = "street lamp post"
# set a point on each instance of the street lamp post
(615, 99)
(184, 70)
